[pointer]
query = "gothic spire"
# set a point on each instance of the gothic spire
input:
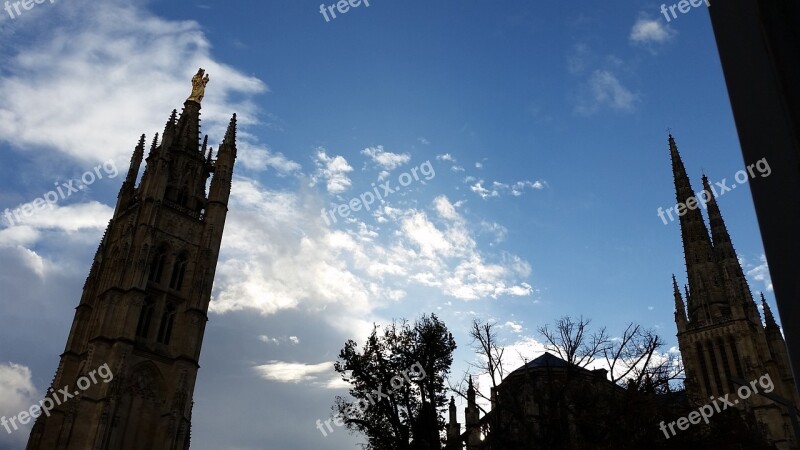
(168, 136)
(769, 319)
(153, 146)
(680, 308)
(733, 275)
(230, 133)
(136, 161)
(188, 128)
(173, 117)
(126, 192)
(228, 146)
(719, 232)
(697, 248)
(223, 167)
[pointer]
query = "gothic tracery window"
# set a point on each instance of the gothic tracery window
(167, 322)
(178, 272)
(145, 317)
(157, 264)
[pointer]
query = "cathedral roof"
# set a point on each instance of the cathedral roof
(547, 360)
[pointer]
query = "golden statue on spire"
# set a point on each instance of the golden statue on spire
(199, 83)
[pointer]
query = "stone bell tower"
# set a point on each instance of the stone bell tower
(145, 303)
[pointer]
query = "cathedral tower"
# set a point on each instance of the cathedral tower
(145, 303)
(720, 332)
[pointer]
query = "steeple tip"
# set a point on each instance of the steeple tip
(230, 133)
(769, 318)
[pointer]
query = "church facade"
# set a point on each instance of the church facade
(145, 302)
(722, 339)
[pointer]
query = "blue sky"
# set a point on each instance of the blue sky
(545, 124)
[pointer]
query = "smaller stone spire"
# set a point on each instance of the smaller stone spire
(169, 131)
(154, 145)
(173, 117)
(230, 133)
(680, 307)
(136, 161)
(769, 319)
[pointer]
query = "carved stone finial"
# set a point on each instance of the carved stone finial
(199, 82)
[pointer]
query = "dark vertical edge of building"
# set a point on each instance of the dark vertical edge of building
(759, 48)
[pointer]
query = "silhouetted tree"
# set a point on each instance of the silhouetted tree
(398, 383)
(573, 342)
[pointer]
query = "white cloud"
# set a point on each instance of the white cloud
(445, 209)
(519, 187)
(446, 157)
(647, 30)
(89, 66)
(482, 191)
(333, 170)
(268, 340)
(91, 215)
(605, 90)
(278, 254)
(497, 188)
(297, 259)
(17, 394)
(278, 340)
(257, 157)
(386, 160)
(513, 326)
(429, 240)
(286, 372)
(500, 232)
(760, 272)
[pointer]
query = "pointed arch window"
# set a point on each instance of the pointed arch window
(183, 196)
(178, 272)
(157, 264)
(704, 375)
(167, 322)
(714, 366)
(145, 317)
(736, 360)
